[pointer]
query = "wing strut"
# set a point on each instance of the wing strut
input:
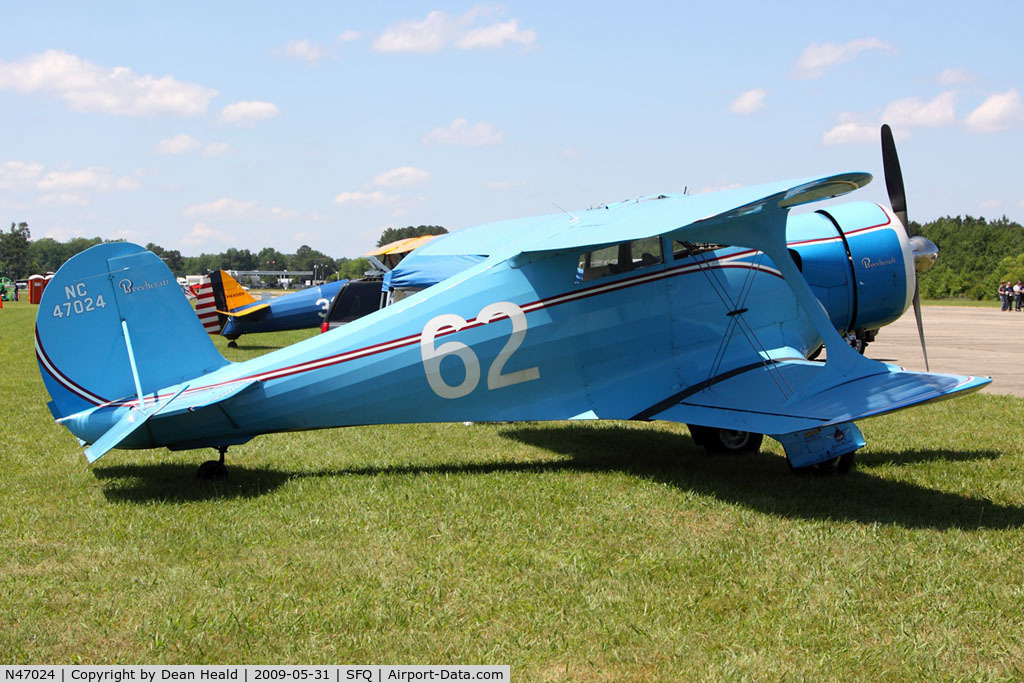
(735, 311)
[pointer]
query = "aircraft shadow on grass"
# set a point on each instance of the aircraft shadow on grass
(760, 482)
(763, 482)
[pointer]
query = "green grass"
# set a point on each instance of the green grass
(601, 551)
(992, 302)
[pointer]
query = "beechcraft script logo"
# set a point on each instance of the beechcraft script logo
(868, 263)
(129, 287)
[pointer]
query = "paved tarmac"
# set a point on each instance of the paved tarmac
(961, 340)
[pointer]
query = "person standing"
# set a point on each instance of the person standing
(1002, 296)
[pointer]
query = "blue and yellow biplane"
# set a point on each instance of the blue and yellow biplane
(696, 309)
(224, 307)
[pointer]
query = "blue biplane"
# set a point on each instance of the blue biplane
(224, 307)
(695, 309)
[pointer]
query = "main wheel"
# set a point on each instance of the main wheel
(212, 470)
(716, 440)
(857, 342)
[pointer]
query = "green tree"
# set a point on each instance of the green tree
(14, 252)
(394, 234)
(352, 269)
(173, 258)
(971, 251)
(46, 255)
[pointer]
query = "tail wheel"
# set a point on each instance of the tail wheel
(716, 440)
(838, 465)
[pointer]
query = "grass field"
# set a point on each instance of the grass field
(602, 551)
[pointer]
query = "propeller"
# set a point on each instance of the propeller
(925, 252)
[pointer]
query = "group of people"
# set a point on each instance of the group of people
(1010, 296)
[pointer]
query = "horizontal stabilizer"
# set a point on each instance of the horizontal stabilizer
(193, 400)
(125, 427)
(779, 397)
(239, 312)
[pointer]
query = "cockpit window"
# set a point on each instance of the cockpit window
(619, 258)
(687, 249)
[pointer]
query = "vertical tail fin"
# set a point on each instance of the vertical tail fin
(112, 324)
(228, 292)
(217, 295)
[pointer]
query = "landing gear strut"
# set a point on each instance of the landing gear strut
(214, 470)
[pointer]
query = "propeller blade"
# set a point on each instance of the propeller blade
(898, 201)
(893, 175)
(920, 325)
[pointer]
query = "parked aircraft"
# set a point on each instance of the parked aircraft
(668, 307)
(224, 307)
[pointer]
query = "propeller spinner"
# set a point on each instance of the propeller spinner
(925, 252)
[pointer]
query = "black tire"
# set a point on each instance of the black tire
(212, 470)
(719, 441)
(857, 341)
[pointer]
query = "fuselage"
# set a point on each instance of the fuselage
(580, 333)
(293, 311)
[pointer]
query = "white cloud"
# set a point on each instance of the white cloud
(749, 102)
(278, 212)
(225, 206)
(62, 234)
(215, 149)
(428, 35)
(64, 199)
(15, 174)
(376, 198)
(956, 77)
(913, 111)
(179, 144)
(93, 88)
(182, 144)
(1000, 111)
(92, 178)
(303, 50)
(203, 234)
(497, 35)
(461, 132)
(438, 30)
(818, 57)
(401, 177)
(851, 133)
(249, 112)
(348, 36)
(571, 153)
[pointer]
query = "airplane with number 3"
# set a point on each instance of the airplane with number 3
(224, 307)
(697, 309)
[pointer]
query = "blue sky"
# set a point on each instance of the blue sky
(207, 125)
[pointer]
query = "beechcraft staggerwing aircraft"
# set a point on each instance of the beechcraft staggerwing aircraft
(695, 309)
(224, 307)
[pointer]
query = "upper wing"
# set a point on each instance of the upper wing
(635, 219)
(664, 214)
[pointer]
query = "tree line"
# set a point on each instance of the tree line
(975, 255)
(21, 256)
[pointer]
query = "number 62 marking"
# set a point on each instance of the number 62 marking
(432, 355)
